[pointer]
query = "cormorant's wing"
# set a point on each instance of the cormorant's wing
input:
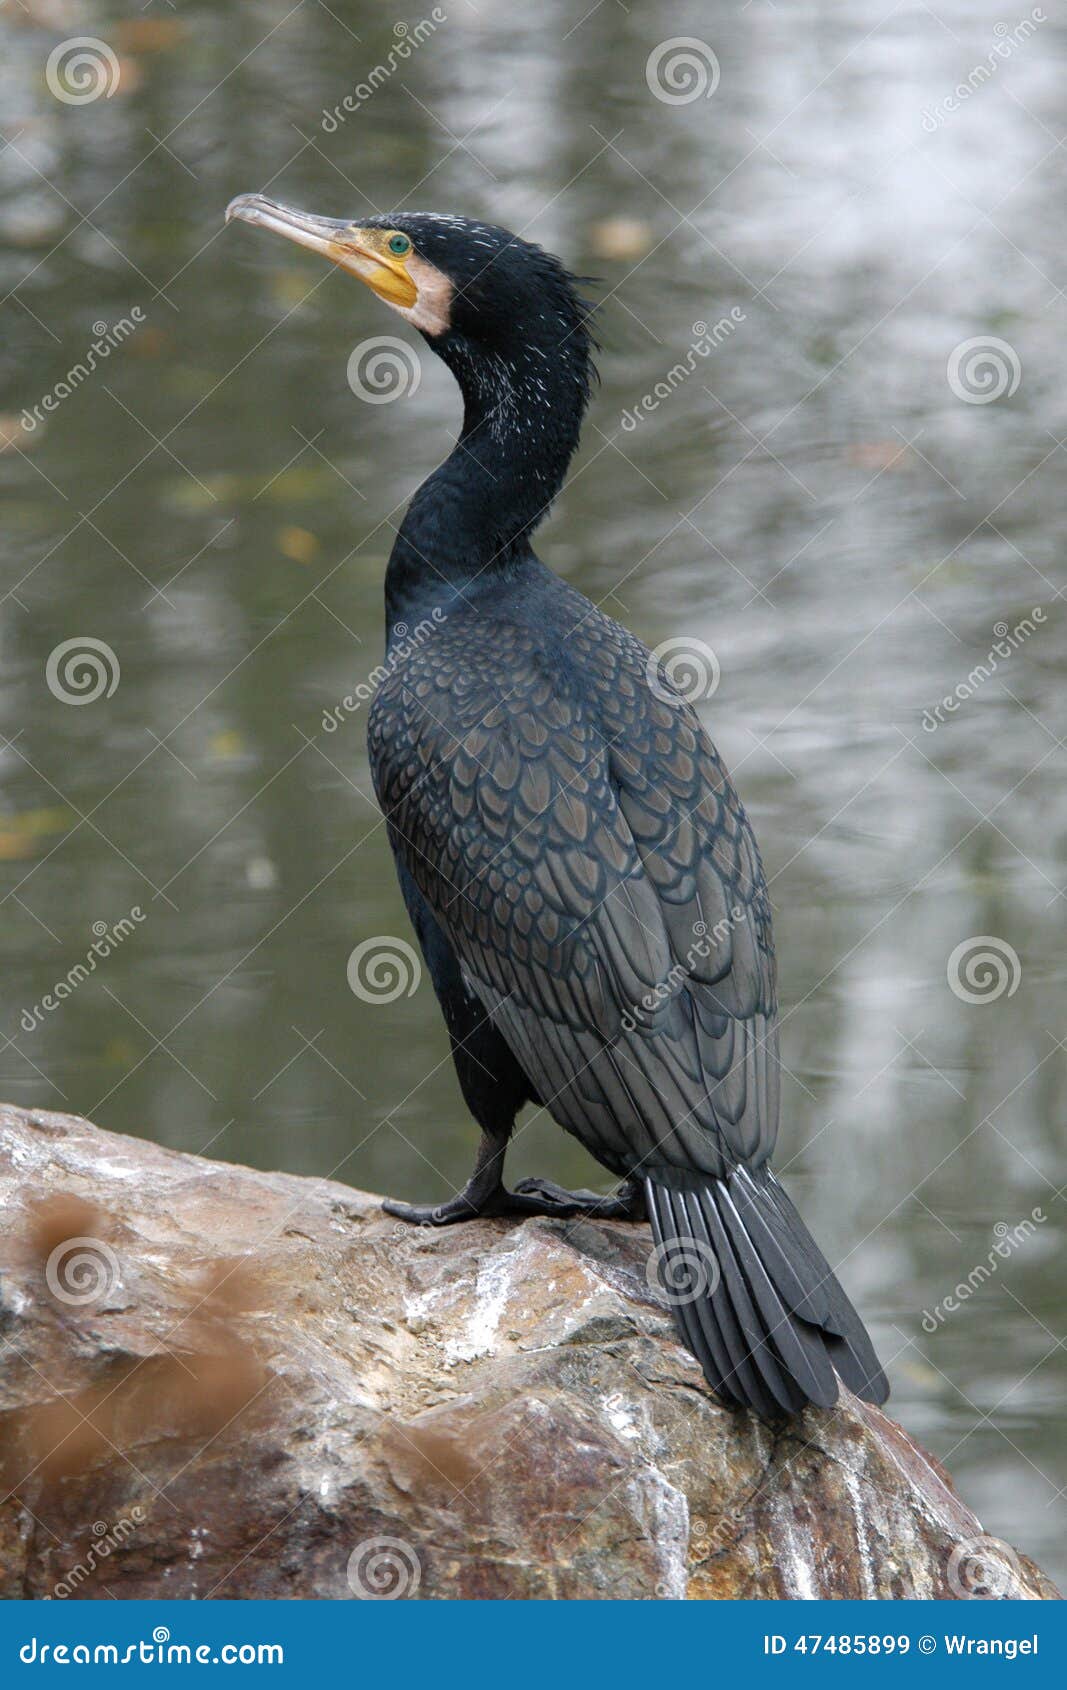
(580, 843)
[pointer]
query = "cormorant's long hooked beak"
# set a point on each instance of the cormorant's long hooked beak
(362, 252)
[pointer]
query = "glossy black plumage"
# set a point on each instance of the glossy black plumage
(579, 842)
(577, 865)
(583, 853)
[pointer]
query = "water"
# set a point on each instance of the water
(813, 501)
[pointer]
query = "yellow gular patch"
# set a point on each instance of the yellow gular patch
(367, 255)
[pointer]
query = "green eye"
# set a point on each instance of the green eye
(399, 244)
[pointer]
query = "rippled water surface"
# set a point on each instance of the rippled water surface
(850, 530)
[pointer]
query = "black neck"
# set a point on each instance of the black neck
(473, 517)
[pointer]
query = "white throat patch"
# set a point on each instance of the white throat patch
(432, 311)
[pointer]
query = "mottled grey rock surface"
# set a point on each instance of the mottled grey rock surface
(218, 1382)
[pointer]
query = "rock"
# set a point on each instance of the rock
(219, 1382)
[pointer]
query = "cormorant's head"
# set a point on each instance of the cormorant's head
(468, 287)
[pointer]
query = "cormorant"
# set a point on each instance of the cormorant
(578, 868)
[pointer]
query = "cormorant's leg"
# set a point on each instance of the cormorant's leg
(495, 1088)
(481, 1195)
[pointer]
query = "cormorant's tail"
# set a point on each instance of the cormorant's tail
(754, 1299)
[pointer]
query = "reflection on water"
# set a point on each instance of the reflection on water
(847, 528)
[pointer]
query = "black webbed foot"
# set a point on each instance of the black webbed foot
(459, 1208)
(530, 1197)
(625, 1204)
